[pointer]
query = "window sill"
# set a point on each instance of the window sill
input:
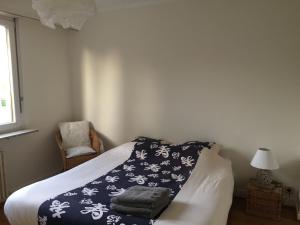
(17, 133)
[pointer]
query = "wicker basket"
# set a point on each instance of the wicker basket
(264, 202)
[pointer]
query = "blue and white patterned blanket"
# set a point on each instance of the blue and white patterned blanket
(151, 163)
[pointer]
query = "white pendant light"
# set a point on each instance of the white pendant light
(67, 13)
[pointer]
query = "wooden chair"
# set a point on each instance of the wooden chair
(68, 163)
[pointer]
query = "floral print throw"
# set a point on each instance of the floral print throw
(152, 163)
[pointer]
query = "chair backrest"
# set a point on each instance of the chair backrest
(96, 143)
(75, 133)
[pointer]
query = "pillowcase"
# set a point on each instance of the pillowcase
(149, 148)
(210, 145)
(156, 154)
(75, 134)
(142, 139)
(78, 151)
(216, 148)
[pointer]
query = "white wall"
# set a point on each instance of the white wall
(226, 71)
(46, 87)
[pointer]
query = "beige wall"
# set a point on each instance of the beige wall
(46, 88)
(22, 7)
(226, 71)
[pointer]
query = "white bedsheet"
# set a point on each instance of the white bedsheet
(205, 199)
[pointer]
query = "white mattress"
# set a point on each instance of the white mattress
(205, 199)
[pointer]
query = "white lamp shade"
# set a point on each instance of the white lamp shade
(264, 159)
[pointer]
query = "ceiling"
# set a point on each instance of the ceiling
(23, 7)
(117, 4)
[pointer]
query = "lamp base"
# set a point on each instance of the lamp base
(264, 178)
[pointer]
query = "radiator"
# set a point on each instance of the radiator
(2, 179)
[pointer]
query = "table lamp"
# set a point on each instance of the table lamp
(265, 162)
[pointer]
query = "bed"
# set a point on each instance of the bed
(204, 199)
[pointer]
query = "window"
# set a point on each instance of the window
(9, 89)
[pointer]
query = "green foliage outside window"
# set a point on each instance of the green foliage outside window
(3, 102)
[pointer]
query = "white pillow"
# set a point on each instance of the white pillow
(216, 148)
(75, 134)
(77, 151)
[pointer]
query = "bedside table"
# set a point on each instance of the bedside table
(264, 202)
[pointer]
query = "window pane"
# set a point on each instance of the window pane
(6, 87)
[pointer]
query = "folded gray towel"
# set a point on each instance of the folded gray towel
(143, 197)
(154, 205)
(139, 212)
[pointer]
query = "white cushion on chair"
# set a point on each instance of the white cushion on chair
(75, 134)
(78, 151)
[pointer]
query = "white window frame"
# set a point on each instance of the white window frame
(10, 24)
